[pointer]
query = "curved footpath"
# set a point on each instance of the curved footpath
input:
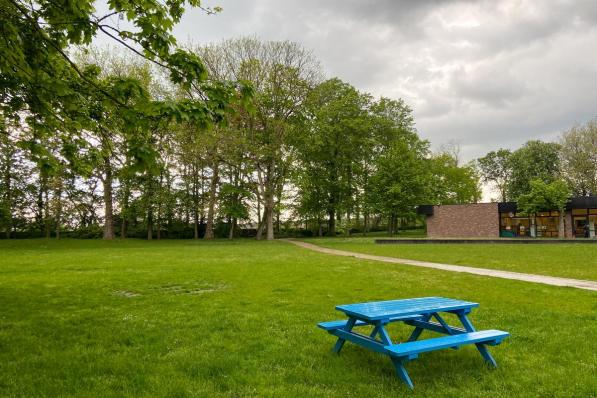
(547, 280)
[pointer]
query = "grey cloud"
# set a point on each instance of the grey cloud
(486, 74)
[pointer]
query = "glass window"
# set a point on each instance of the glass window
(543, 214)
(547, 227)
(592, 211)
(580, 227)
(579, 212)
(511, 227)
(555, 213)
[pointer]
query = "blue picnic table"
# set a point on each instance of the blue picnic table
(421, 313)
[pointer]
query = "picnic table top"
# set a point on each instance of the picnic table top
(378, 310)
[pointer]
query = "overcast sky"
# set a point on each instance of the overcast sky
(483, 74)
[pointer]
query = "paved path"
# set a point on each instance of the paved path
(548, 280)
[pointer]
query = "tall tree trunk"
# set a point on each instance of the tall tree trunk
(125, 210)
(149, 223)
(561, 227)
(40, 205)
(232, 226)
(196, 225)
(108, 200)
(279, 192)
(58, 206)
(391, 224)
(48, 231)
(187, 191)
(195, 202)
(149, 194)
(258, 209)
(211, 204)
(261, 227)
(8, 187)
(269, 218)
(158, 216)
(332, 222)
(124, 228)
(261, 199)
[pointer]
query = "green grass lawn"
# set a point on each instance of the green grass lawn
(566, 260)
(184, 318)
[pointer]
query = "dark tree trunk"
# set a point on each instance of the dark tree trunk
(258, 208)
(149, 202)
(40, 205)
(232, 227)
(108, 201)
(196, 225)
(196, 202)
(213, 188)
(58, 207)
(332, 223)
(8, 197)
(269, 217)
(278, 207)
(149, 224)
(260, 228)
(47, 227)
(124, 227)
(159, 210)
(124, 211)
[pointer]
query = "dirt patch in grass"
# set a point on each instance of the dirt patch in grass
(193, 288)
(126, 293)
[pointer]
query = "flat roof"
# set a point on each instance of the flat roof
(576, 202)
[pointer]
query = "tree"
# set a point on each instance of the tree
(534, 160)
(545, 197)
(579, 158)
(330, 146)
(400, 181)
(496, 169)
(451, 183)
(14, 173)
(43, 87)
(393, 173)
(281, 75)
(38, 74)
(233, 205)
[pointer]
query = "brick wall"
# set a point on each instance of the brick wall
(479, 220)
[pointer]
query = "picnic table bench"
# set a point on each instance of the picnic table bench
(416, 312)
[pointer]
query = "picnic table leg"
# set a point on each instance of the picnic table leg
(341, 341)
(481, 347)
(374, 331)
(401, 371)
(398, 364)
(417, 332)
(383, 334)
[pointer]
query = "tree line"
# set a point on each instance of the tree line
(153, 139)
(300, 153)
(542, 176)
(570, 162)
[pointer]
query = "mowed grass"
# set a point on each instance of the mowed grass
(572, 260)
(197, 319)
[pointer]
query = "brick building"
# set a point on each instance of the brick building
(492, 220)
